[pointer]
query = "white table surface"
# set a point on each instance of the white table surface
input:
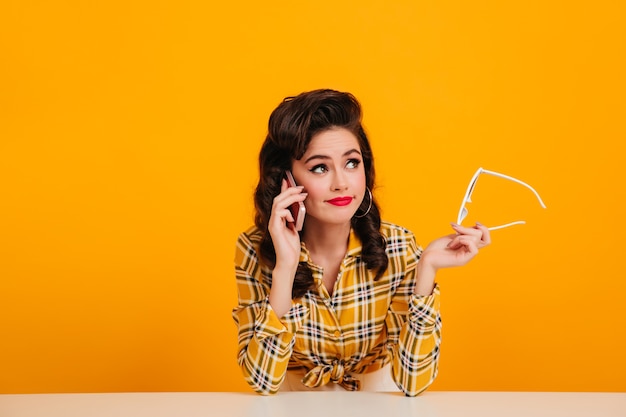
(305, 404)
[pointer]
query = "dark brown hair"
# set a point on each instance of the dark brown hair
(292, 125)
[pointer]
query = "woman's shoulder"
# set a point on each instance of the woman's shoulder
(400, 241)
(389, 229)
(252, 236)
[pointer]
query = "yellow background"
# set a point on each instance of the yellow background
(129, 133)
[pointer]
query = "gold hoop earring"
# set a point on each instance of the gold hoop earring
(368, 207)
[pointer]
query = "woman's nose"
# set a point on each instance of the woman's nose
(339, 181)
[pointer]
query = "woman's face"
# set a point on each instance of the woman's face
(332, 173)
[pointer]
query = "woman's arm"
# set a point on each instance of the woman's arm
(265, 341)
(416, 354)
(414, 326)
(286, 242)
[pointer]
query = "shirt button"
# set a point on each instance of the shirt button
(337, 333)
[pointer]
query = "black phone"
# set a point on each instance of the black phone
(297, 209)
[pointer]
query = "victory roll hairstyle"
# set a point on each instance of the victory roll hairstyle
(291, 127)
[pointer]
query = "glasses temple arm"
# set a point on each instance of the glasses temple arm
(497, 174)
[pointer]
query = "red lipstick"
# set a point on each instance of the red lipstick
(340, 201)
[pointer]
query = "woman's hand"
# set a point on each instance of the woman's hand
(286, 245)
(449, 251)
(281, 227)
(457, 249)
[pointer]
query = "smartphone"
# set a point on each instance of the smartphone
(297, 209)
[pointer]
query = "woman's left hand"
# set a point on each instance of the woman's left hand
(448, 251)
(456, 249)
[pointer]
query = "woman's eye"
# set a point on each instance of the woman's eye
(353, 163)
(319, 169)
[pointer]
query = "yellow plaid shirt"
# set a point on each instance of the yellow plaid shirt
(363, 326)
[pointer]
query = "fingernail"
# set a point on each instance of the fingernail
(479, 224)
(455, 225)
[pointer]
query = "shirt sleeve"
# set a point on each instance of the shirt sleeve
(265, 342)
(416, 340)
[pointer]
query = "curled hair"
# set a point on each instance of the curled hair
(292, 125)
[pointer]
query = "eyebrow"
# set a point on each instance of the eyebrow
(347, 153)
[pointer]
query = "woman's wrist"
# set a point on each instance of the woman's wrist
(425, 281)
(280, 292)
(285, 270)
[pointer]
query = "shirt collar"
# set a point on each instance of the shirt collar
(354, 245)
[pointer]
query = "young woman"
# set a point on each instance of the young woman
(349, 301)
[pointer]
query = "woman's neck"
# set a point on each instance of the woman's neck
(326, 240)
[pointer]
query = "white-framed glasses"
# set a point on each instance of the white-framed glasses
(470, 188)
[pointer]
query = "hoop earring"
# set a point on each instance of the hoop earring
(368, 207)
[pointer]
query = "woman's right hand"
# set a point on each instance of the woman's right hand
(282, 229)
